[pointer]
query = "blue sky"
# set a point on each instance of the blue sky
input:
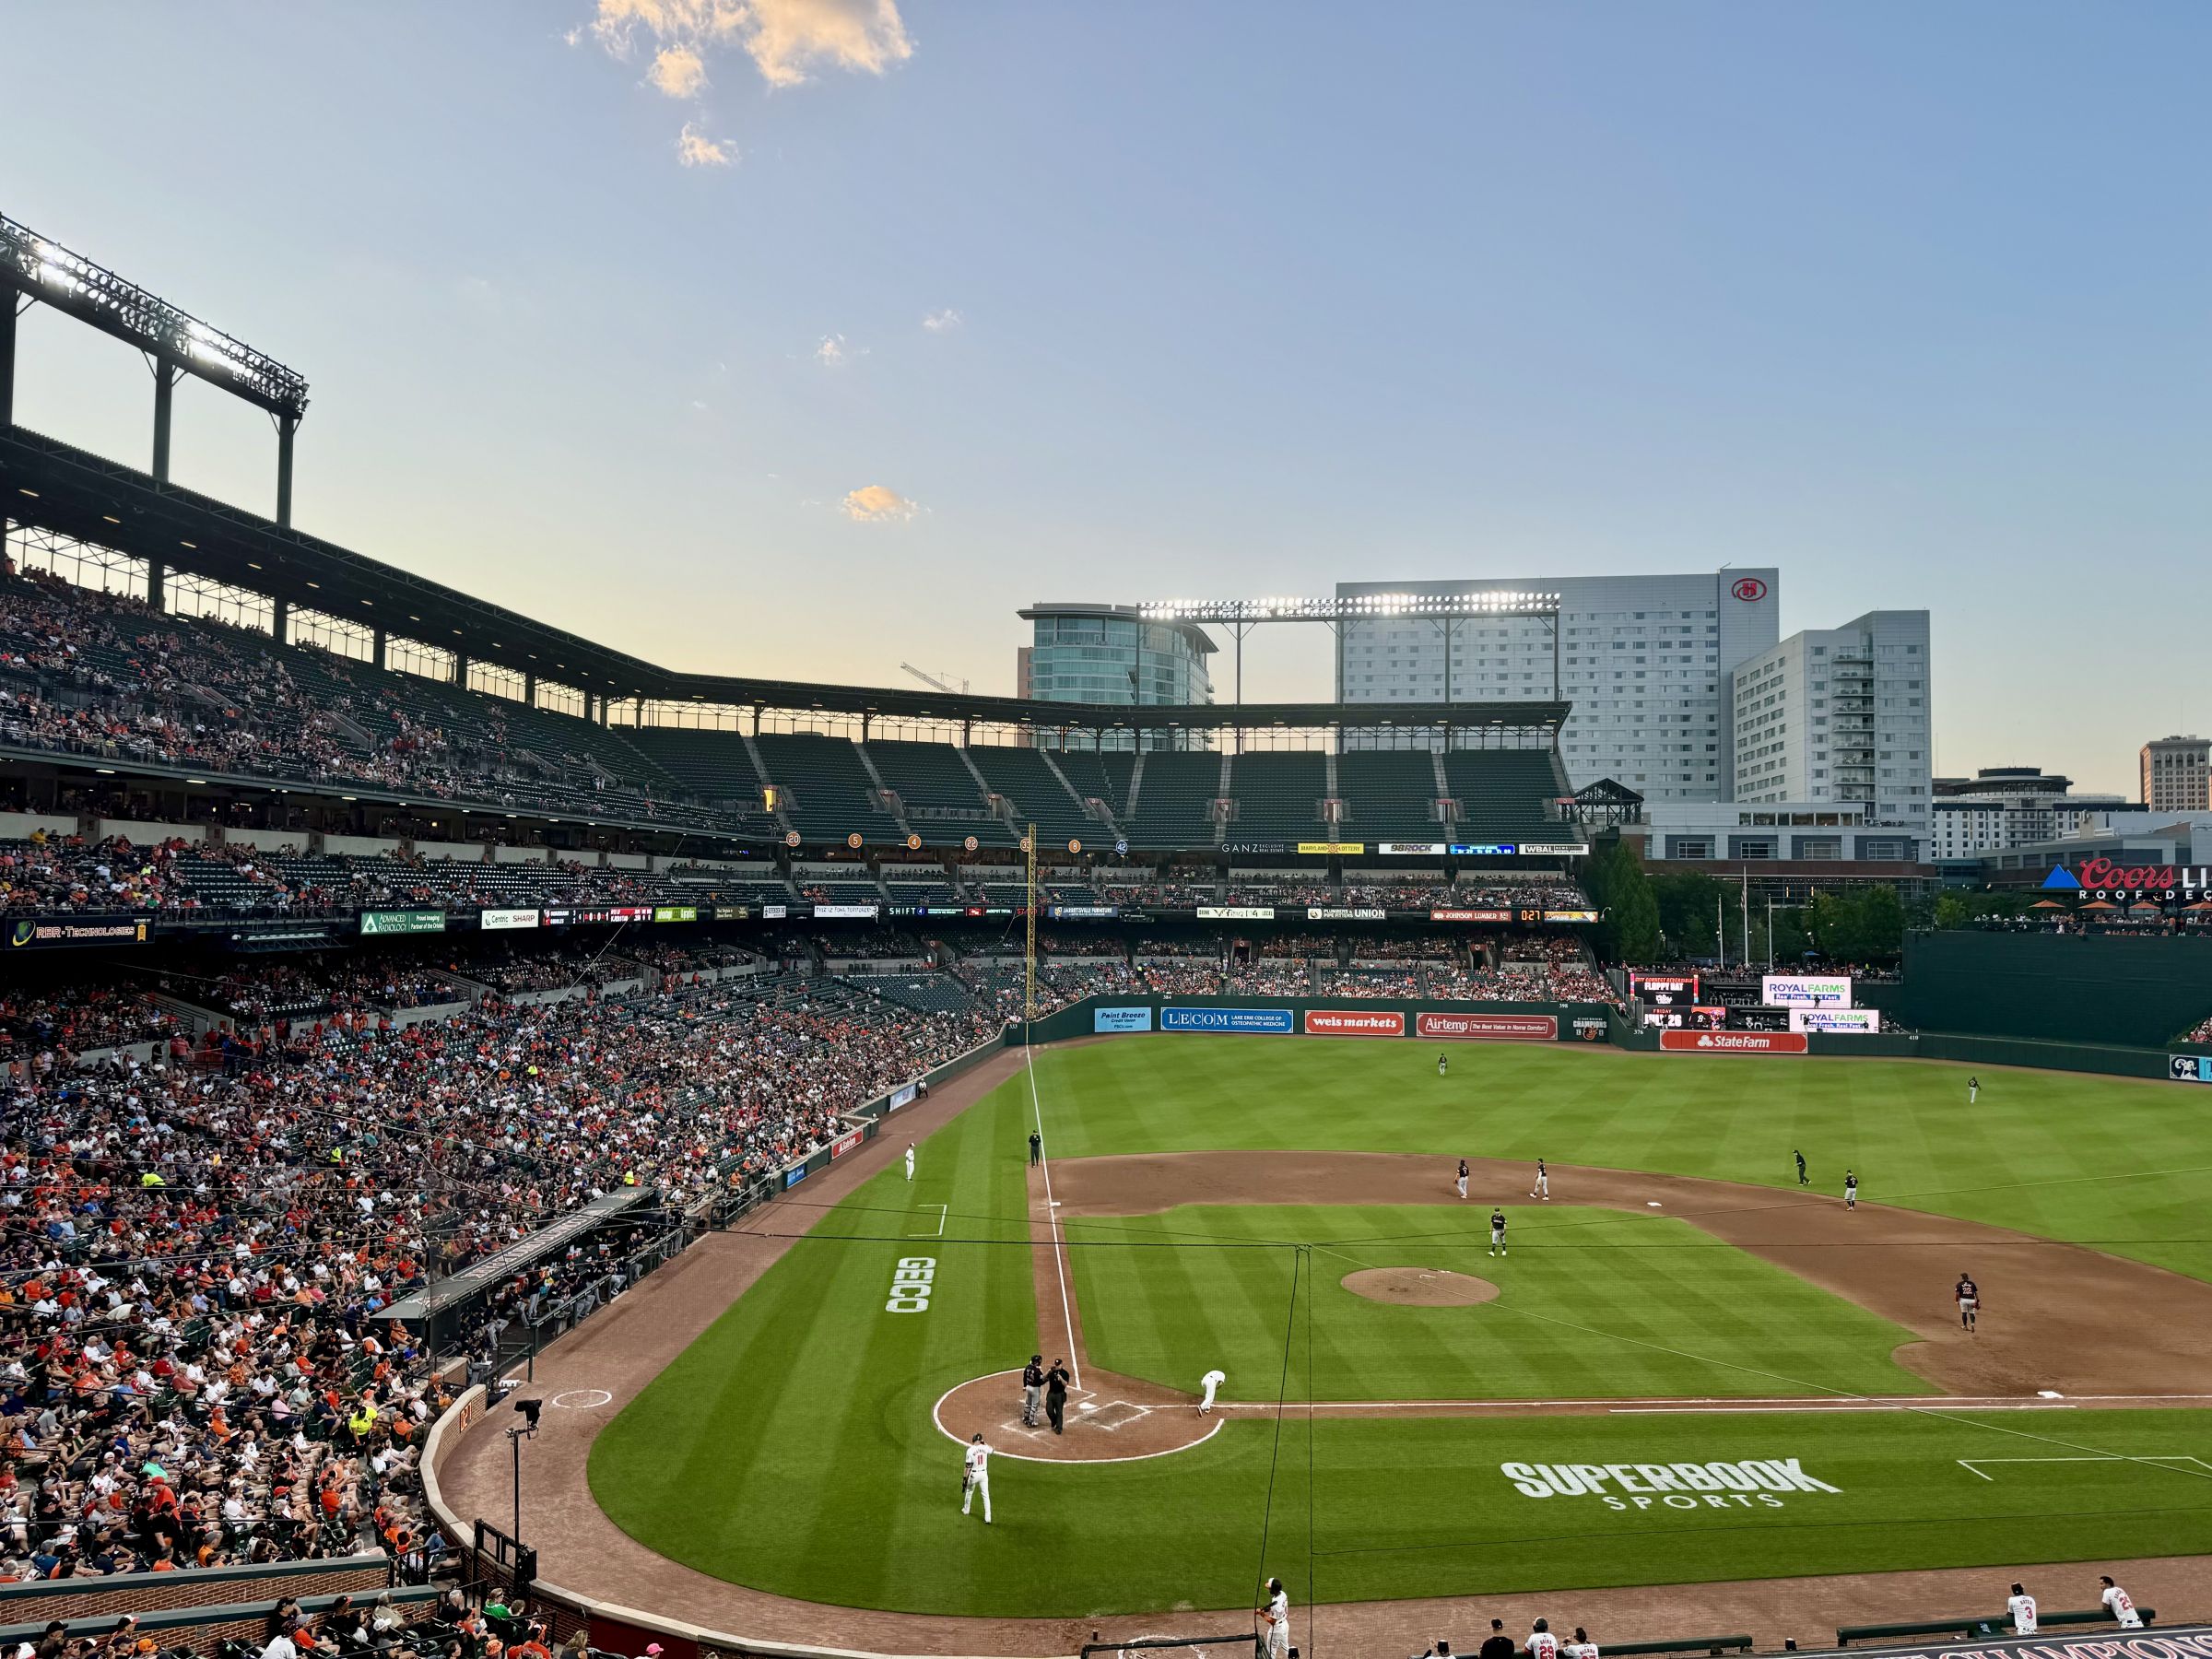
(1913, 302)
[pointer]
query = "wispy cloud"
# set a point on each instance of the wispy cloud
(785, 40)
(830, 353)
(942, 322)
(694, 149)
(873, 504)
(679, 71)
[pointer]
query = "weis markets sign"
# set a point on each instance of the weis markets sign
(1750, 1482)
(1494, 1028)
(1348, 1022)
(1733, 1043)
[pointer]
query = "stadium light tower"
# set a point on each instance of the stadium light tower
(36, 270)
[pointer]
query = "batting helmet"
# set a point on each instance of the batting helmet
(976, 1440)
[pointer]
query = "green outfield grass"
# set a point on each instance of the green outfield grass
(1590, 1303)
(792, 1447)
(2121, 1164)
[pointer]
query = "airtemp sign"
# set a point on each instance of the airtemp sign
(1749, 1483)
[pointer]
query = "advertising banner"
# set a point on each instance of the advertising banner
(1083, 913)
(1733, 1043)
(774, 912)
(733, 912)
(1484, 849)
(1555, 848)
(845, 1143)
(1492, 1027)
(2189, 1068)
(899, 1097)
(402, 921)
(1355, 1022)
(1849, 1022)
(1333, 913)
(1804, 990)
(498, 921)
(792, 1176)
(1410, 848)
(847, 911)
(1470, 915)
(1236, 913)
(1121, 1020)
(1262, 1023)
(1329, 848)
(1570, 915)
(676, 913)
(32, 932)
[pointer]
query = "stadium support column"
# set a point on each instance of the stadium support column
(382, 647)
(460, 669)
(285, 426)
(8, 358)
(165, 375)
(280, 620)
(530, 690)
(155, 584)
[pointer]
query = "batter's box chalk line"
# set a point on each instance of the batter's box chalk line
(1970, 1465)
(1014, 1426)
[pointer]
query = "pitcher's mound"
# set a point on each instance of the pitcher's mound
(1419, 1287)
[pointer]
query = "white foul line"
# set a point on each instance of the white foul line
(1067, 1309)
(941, 1209)
(2170, 1457)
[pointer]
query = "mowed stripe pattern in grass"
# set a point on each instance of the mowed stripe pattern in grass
(2120, 1164)
(1590, 1303)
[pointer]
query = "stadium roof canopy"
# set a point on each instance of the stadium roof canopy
(74, 493)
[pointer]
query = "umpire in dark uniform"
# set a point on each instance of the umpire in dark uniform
(1055, 1396)
(1032, 1390)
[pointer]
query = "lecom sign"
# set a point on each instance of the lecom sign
(1346, 1022)
(1495, 1028)
(1733, 1043)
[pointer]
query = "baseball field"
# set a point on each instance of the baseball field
(1685, 1368)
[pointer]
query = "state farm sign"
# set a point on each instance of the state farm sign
(1361, 1022)
(1495, 1028)
(1733, 1043)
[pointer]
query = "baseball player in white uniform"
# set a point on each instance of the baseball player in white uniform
(2020, 1606)
(1212, 1380)
(910, 1160)
(2121, 1605)
(1275, 1620)
(975, 1476)
(1542, 1644)
(1543, 1186)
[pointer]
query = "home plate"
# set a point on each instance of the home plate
(1652, 1204)
(1087, 1405)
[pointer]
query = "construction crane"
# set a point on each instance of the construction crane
(955, 690)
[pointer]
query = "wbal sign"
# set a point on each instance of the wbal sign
(1750, 1482)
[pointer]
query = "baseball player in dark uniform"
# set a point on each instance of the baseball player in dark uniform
(1969, 1295)
(1032, 1390)
(1497, 1232)
(1055, 1396)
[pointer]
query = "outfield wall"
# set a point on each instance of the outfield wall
(2125, 990)
(1424, 1020)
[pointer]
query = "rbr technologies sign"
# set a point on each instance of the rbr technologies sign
(1733, 1043)
(1362, 1022)
(1495, 1028)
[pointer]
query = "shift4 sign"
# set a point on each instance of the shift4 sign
(1748, 1483)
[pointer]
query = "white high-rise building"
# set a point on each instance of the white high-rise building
(1645, 660)
(1840, 715)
